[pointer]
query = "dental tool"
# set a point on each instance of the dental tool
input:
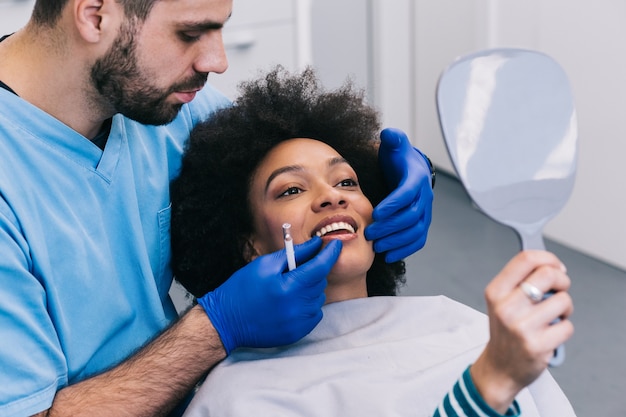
(291, 254)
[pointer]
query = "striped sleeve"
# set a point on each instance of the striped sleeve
(463, 400)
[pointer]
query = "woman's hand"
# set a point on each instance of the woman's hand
(523, 332)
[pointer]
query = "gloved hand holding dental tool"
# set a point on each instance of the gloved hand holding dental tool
(401, 220)
(265, 304)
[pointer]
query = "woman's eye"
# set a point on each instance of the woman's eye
(290, 191)
(348, 183)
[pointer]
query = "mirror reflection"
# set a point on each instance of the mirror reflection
(509, 123)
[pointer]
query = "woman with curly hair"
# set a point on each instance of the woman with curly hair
(212, 214)
(290, 152)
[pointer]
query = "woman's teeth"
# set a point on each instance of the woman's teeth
(333, 227)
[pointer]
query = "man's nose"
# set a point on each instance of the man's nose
(212, 57)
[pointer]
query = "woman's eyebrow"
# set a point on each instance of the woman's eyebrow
(294, 168)
(282, 170)
(337, 160)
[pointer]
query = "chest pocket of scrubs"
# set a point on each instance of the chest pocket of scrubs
(164, 272)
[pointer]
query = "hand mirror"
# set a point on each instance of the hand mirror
(509, 124)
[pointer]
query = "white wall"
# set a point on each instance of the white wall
(588, 39)
(14, 14)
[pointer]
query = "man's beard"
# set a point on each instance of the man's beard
(122, 85)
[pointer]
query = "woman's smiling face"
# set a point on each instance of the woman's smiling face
(306, 183)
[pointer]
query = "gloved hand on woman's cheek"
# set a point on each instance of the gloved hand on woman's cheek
(402, 219)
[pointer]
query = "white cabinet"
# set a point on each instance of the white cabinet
(259, 35)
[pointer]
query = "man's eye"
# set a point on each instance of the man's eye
(189, 37)
(290, 191)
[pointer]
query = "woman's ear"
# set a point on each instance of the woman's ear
(249, 250)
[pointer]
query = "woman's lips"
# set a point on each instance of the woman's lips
(342, 235)
(336, 228)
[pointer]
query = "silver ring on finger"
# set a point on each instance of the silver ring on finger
(532, 292)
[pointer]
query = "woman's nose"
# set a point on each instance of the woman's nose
(330, 198)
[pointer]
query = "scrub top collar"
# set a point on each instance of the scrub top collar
(6, 87)
(3, 85)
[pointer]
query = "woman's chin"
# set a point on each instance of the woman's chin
(348, 270)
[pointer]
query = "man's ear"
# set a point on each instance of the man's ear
(94, 17)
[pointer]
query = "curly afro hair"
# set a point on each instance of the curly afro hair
(211, 217)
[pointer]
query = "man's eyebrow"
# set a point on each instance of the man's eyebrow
(204, 25)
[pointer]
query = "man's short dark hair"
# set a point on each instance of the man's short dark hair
(47, 12)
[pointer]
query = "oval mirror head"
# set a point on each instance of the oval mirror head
(509, 123)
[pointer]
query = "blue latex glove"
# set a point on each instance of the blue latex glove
(261, 305)
(401, 220)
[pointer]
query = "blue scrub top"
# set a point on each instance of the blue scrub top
(84, 245)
